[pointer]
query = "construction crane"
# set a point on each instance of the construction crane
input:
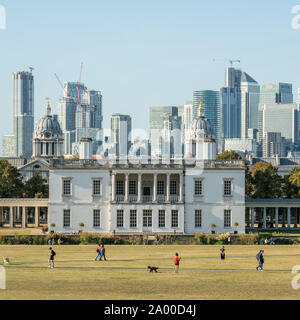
(230, 61)
(66, 92)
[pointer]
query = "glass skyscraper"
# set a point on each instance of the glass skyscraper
(22, 109)
(158, 118)
(250, 95)
(211, 101)
(273, 93)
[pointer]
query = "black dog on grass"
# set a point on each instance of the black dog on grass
(153, 269)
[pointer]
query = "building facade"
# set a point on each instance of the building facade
(151, 198)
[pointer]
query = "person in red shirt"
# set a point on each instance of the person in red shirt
(176, 262)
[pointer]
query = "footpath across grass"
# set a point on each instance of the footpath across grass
(125, 276)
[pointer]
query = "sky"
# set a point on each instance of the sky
(144, 53)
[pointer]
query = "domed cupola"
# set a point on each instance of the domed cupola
(202, 127)
(48, 126)
(200, 142)
(48, 136)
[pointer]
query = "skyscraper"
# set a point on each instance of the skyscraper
(231, 104)
(272, 93)
(158, 116)
(211, 102)
(80, 120)
(282, 118)
(89, 118)
(250, 95)
(274, 145)
(22, 109)
(121, 126)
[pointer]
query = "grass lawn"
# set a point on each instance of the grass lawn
(124, 276)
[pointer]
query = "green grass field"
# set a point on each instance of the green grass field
(125, 277)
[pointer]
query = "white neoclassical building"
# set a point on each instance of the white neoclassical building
(130, 196)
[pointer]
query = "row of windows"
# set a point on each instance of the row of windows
(120, 187)
(161, 190)
(199, 189)
(147, 219)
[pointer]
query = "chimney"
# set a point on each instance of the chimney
(86, 149)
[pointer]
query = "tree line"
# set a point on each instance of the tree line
(12, 185)
(264, 182)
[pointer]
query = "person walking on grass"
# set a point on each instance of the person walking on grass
(261, 260)
(102, 253)
(98, 253)
(223, 255)
(176, 262)
(51, 258)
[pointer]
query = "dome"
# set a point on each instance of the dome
(202, 124)
(48, 124)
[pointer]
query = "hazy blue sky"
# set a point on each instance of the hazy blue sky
(144, 53)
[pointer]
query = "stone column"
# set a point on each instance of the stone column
(289, 217)
(277, 218)
(168, 186)
(265, 218)
(155, 188)
(113, 187)
(252, 218)
(37, 217)
(126, 187)
(11, 217)
(181, 188)
(140, 188)
(24, 218)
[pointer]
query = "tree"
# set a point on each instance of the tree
(267, 184)
(229, 156)
(292, 184)
(11, 185)
(36, 187)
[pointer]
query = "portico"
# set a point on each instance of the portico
(147, 187)
(23, 213)
(272, 214)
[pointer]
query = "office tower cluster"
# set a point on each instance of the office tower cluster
(80, 116)
(244, 116)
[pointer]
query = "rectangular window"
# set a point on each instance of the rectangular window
(67, 187)
(133, 218)
(97, 187)
(161, 188)
(132, 188)
(227, 219)
(227, 188)
(174, 218)
(67, 218)
(173, 188)
(147, 219)
(198, 188)
(120, 218)
(120, 188)
(97, 222)
(162, 218)
(198, 219)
